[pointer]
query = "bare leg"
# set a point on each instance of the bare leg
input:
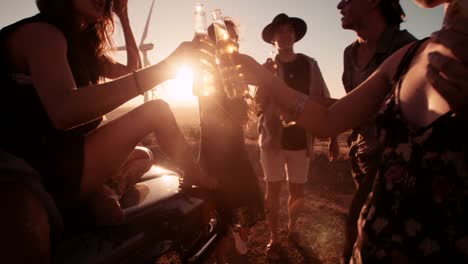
(272, 203)
(295, 204)
(109, 146)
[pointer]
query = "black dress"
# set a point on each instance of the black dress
(418, 209)
(27, 131)
(223, 155)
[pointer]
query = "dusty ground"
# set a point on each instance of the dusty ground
(328, 194)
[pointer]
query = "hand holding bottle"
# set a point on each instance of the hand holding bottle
(203, 77)
(226, 47)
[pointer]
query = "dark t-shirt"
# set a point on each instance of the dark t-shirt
(296, 75)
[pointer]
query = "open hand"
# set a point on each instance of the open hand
(449, 75)
(193, 54)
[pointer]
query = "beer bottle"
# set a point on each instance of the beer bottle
(226, 46)
(203, 81)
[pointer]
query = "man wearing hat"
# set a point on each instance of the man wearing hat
(377, 25)
(285, 150)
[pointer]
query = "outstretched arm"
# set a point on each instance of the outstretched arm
(348, 112)
(44, 50)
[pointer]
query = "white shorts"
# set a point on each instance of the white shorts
(278, 165)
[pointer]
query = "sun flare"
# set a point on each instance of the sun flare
(179, 90)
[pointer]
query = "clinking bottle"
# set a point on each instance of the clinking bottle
(233, 80)
(203, 81)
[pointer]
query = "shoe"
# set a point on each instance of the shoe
(239, 242)
(273, 251)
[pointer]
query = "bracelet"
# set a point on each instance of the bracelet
(297, 106)
(137, 84)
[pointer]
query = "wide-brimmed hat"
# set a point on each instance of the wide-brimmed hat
(300, 27)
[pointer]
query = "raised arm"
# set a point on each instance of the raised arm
(113, 69)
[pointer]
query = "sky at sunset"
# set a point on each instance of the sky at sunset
(172, 22)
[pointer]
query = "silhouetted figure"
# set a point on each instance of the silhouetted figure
(223, 155)
(286, 151)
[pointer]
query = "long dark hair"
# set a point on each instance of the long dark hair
(87, 45)
(392, 12)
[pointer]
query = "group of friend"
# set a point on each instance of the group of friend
(405, 104)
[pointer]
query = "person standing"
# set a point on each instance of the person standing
(377, 26)
(285, 150)
(223, 155)
(417, 209)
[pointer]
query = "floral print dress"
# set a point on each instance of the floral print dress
(418, 209)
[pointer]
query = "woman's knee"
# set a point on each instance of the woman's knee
(157, 109)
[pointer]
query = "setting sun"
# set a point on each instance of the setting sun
(179, 90)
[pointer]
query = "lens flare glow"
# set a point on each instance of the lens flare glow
(179, 90)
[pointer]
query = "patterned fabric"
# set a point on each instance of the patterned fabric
(418, 209)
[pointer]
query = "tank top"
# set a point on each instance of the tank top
(418, 208)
